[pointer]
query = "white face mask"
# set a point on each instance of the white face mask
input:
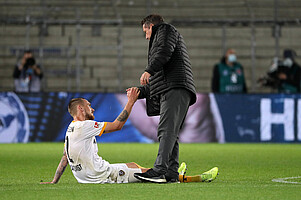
(231, 58)
(288, 62)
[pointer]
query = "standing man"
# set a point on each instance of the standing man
(228, 75)
(168, 86)
(27, 74)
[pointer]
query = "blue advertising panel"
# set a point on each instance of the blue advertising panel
(48, 117)
(259, 117)
(14, 121)
(39, 117)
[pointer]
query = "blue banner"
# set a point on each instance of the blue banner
(39, 117)
(258, 117)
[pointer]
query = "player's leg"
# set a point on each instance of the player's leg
(124, 172)
(204, 177)
(134, 168)
(135, 165)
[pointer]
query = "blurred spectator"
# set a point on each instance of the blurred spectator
(290, 76)
(27, 74)
(228, 75)
(283, 75)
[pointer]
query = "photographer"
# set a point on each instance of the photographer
(27, 74)
(284, 75)
(290, 78)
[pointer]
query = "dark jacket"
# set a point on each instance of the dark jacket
(169, 66)
(292, 83)
(152, 103)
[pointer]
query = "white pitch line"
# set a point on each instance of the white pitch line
(284, 180)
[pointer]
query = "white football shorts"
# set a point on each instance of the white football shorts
(121, 173)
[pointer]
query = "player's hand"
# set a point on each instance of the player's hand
(132, 94)
(47, 182)
(129, 89)
(144, 79)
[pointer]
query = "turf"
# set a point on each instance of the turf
(246, 172)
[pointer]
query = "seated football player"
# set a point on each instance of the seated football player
(81, 151)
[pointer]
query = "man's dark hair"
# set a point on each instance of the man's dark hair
(152, 19)
(72, 105)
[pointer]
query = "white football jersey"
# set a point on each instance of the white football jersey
(82, 152)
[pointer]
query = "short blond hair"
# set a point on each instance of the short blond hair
(73, 104)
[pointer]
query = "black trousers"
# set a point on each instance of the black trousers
(174, 105)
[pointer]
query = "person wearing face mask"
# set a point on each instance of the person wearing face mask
(228, 75)
(290, 77)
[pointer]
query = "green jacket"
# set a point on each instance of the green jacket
(228, 79)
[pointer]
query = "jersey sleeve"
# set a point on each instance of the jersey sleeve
(93, 128)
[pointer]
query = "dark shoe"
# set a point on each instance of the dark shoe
(151, 176)
(172, 179)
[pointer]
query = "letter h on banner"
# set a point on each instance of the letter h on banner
(267, 118)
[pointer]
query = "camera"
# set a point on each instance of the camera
(29, 63)
(28, 66)
(271, 79)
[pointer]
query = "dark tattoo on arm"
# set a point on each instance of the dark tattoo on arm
(123, 116)
(60, 169)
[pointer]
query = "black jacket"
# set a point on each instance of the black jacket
(293, 79)
(168, 64)
(152, 103)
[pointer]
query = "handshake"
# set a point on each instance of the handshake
(132, 94)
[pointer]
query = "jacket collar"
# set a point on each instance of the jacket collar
(155, 28)
(154, 31)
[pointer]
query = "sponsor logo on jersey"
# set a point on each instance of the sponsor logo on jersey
(70, 129)
(96, 125)
(121, 173)
(76, 168)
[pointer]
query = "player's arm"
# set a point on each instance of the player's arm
(117, 125)
(60, 170)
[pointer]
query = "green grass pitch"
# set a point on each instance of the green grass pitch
(246, 172)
